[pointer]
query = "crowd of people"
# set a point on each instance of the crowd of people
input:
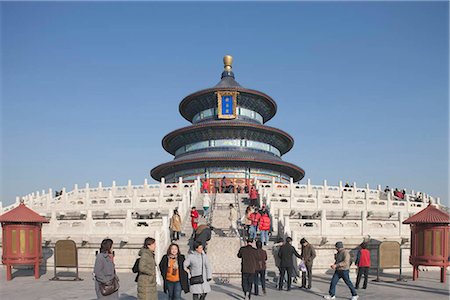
(192, 273)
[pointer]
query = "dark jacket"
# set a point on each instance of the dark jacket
(248, 255)
(203, 234)
(285, 254)
(164, 265)
(308, 254)
(261, 257)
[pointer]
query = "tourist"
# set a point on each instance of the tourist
(248, 267)
(363, 263)
(253, 196)
(233, 221)
(104, 270)
(175, 225)
(194, 219)
(146, 286)
(264, 227)
(308, 255)
(275, 249)
(173, 273)
(387, 189)
(285, 254)
(341, 270)
(260, 272)
(205, 186)
(217, 186)
(206, 205)
(200, 272)
(203, 235)
(246, 220)
(347, 186)
(223, 184)
(254, 218)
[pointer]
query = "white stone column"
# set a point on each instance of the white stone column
(323, 223)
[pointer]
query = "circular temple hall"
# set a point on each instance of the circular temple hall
(228, 137)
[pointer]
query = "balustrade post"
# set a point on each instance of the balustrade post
(323, 222)
(364, 223)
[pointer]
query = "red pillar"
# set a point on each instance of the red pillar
(8, 272)
(36, 270)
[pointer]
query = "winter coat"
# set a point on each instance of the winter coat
(104, 272)
(363, 258)
(275, 250)
(261, 257)
(342, 259)
(248, 255)
(164, 265)
(264, 222)
(206, 200)
(285, 254)
(203, 234)
(146, 286)
(308, 254)
(253, 195)
(193, 262)
(175, 223)
(194, 219)
(254, 217)
(233, 215)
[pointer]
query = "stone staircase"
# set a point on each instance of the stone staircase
(222, 249)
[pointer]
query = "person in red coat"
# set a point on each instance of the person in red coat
(264, 227)
(194, 219)
(205, 186)
(254, 218)
(253, 195)
(363, 263)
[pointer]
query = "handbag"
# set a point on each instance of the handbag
(110, 287)
(197, 279)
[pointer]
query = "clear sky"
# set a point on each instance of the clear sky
(90, 89)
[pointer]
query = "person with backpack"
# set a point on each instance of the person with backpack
(146, 285)
(172, 270)
(341, 270)
(203, 235)
(363, 263)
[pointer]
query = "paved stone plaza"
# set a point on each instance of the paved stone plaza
(25, 287)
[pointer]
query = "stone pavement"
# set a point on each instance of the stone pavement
(25, 287)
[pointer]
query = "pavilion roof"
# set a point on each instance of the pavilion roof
(22, 214)
(429, 215)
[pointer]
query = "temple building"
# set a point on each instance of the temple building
(228, 137)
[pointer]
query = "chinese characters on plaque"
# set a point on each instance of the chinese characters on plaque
(226, 103)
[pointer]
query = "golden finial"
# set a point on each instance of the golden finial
(227, 61)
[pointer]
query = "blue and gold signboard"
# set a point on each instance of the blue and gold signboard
(226, 104)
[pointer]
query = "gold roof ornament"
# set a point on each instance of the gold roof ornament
(227, 62)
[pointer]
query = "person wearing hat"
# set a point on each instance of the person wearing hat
(341, 270)
(308, 255)
(248, 255)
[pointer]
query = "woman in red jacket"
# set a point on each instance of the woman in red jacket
(264, 227)
(194, 219)
(253, 195)
(363, 263)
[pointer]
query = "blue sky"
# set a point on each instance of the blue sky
(90, 89)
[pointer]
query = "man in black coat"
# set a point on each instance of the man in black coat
(285, 254)
(248, 267)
